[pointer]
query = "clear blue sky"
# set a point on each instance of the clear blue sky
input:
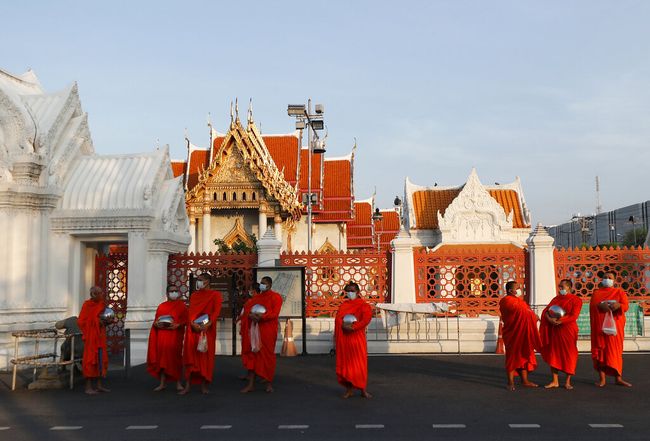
(553, 91)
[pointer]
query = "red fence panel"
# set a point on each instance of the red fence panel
(111, 275)
(327, 273)
(472, 276)
(585, 267)
(239, 265)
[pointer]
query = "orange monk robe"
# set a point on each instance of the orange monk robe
(165, 352)
(520, 335)
(607, 350)
(199, 366)
(244, 331)
(264, 359)
(351, 346)
(95, 358)
(560, 342)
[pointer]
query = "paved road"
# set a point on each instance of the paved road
(416, 397)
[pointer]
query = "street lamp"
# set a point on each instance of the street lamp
(377, 217)
(313, 122)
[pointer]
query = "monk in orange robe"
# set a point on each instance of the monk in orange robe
(244, 332)
(165, 351)
(199, 366)
(95, 358)
(520, 336)
(351, 345)
(559, 336)
(607, 350)
(263, 360)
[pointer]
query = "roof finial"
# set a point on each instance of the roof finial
(232, 113)
(237, 108)
(187, 136)
(250, 111)
(209, 120)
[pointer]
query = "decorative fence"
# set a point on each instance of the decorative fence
(470, 278)
(111, 275)
(585, 267)
(327, 273)
(229, 265)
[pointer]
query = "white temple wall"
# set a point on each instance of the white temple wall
(321, 232)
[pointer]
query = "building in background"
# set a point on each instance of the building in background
(623, 226)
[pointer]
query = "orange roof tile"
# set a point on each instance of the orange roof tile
(198, 160)
(427, 203)
(387, 228)
(304, 170)
(359, 232)
(284, 151)
(337, 191)
(509, 200)
(178, 168)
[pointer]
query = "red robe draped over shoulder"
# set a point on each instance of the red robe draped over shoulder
(351, 346)
(560, 342)
(264, 360)
(607, 350)
(94, 337)
(244, 331)
(520, 335)
(165, 351)
(199, 366)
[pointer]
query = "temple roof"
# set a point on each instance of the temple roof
(425, 203)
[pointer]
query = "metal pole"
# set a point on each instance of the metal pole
(13, 380)
(72, 364)
(309, 140)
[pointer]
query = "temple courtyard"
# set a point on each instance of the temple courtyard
(415, 397)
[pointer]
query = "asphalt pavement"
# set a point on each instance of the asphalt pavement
(415, 397)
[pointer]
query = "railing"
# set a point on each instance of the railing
(47, 359)
(238, 266)
(585, 267)
(473, 277)
(326, 274)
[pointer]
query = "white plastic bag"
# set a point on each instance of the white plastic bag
(202, 346)
(256, 343)
(609, 325)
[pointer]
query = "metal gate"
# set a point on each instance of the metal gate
(111, 276)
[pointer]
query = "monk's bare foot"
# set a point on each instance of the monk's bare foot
(621, 382)
(568, 386)
(205, 390)
(366, 394)
(510, 387)
(551, 385)
(179, 387)
(269, 388)
(529, 384)
(159, 388)
(347, 394)
(600, 383)
(185, 390)
(247, 389)
(91, 391)
(102, 389)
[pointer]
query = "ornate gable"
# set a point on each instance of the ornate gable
(242, 174)
(474, 216)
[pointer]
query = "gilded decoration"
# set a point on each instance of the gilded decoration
(238, 234)
(242, 174)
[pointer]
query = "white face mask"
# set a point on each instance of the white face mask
(518, 293)
(351, 295)
(563, 292)
(263, 287)
(173, 295)
(608, 283)
(200, 284)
